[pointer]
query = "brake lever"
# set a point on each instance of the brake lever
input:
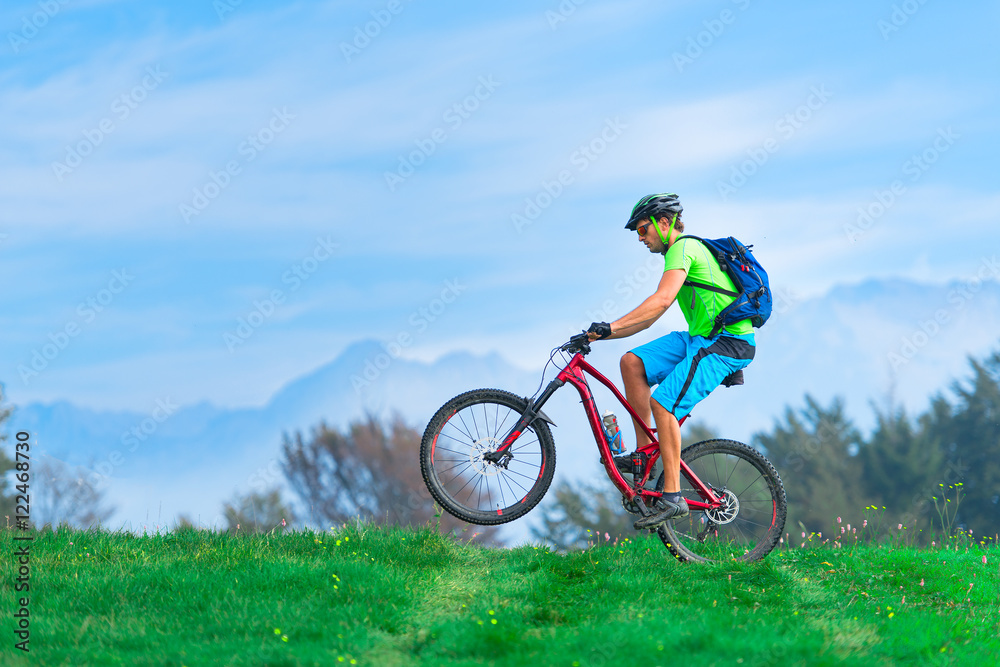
(578, 343)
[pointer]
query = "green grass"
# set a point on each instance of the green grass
(380, 596)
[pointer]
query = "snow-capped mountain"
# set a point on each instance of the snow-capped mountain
(862, 342)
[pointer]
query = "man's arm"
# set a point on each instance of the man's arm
(653, 307)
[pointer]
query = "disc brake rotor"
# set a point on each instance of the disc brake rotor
(728, 510)
(480, 448)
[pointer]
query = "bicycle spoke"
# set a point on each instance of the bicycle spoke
(736, 526)
(453, 451)
(514, 472)
(765, 526)
(752, 482)
(464, 443)
(750, 517)
(489, 493)
(466, 432)
(479, 488)
(504, 422)
(458, 471)
(475, 429)
(524, 446)
(465, 463)
(510, 481)
(503, 497)
(475, 425)
(514, 494)
(507, 481)
(459, 461)
(729, 476)
(466, 484)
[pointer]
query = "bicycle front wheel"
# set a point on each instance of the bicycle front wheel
(459, 477)
(748, 524)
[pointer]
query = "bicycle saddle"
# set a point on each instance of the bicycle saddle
(732, 379)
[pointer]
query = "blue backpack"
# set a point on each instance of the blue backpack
(753, 301)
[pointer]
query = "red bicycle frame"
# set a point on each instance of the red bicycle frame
(574, 374)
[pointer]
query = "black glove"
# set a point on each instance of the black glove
(602, 329)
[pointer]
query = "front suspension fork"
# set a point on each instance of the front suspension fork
(503, 453)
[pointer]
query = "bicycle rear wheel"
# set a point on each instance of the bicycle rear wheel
(748, 525)
(465, 484)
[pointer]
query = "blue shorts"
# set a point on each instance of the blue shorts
(688, 368)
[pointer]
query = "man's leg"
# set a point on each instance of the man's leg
(706, 363)
(672, 504)
(669, 432)
(646, 366)
(637, 392)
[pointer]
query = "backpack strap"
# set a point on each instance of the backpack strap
(711, 288)
(706, 286)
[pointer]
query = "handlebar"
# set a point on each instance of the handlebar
(578, 343)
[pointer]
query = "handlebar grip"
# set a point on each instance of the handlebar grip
(578, 343)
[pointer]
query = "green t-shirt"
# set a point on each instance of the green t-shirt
(700, 306)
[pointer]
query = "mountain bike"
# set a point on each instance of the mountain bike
(488, 458)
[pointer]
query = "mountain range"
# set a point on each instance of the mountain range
(876, 343)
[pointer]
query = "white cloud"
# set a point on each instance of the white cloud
(352, 121)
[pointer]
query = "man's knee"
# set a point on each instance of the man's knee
(657, 407)
(632, 366)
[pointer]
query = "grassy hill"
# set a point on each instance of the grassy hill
(384, 596)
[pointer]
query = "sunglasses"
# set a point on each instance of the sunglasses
(642, 228)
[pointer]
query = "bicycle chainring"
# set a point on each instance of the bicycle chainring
(630, 506)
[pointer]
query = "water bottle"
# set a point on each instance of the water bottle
(612, 431)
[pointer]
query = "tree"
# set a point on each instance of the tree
(969, 433)
(901, 466)
(589, 511)
(583, 513)
(63, 496)
(59, 495)
(6, 465)
(814, 451)
(367, 472)
(258, 513)
(696, 432)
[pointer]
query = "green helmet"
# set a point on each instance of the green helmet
(663, 204)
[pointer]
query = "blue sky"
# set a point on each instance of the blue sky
(273, 164)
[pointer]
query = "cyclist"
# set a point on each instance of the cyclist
(684, 366)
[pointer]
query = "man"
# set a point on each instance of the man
(685, 366)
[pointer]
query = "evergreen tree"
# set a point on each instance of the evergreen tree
(815, 452)
(969, 432)
(583, 513)
(696, 432)
(901, 467)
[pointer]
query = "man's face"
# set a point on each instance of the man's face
(648, 235)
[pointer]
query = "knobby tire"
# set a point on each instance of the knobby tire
(466, 485)
(728, 466)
